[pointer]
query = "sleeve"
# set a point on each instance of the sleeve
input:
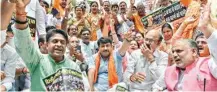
(212, 43)
(90, 62)
(40, 19)
(157, 68)
(130, 67)
(118, 56)
(26, 49)
(10, 69)
(160, 83)
(8, 86)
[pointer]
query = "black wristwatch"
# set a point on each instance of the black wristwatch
(21, 22)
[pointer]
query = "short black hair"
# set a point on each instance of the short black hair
(83, 30)
(79, 6)
(198, 35)
(48, 28)
(92, 2)
(167, 25)
(41, 39)
(104, 40)
(47, 5)
(56, 31)
(114, 5)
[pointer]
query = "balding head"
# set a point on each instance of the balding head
(153, 39)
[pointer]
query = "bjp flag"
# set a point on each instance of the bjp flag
(56, 5)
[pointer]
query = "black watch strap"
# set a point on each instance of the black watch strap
(21, 22)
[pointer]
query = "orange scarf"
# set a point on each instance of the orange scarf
(112, 76)
(205, 53)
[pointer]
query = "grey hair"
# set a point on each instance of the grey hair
(192, 44)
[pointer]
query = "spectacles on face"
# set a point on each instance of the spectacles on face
(150, 40)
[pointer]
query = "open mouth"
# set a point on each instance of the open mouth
(200, 48)
(58, 50)
(177, 60)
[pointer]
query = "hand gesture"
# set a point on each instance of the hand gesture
(132, 2)
(112, 22)
(21, 4)
(147, 51)
(77, 54)
(190, 20)
(128, 36)
(137, 77)
(205, 17)
(2, 74)
(68, 9)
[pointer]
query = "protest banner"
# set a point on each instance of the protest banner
(65, 79)
(32, 26)
(162, 15)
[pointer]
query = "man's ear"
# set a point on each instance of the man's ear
(40, 44)
(195, 52)
(159, 42)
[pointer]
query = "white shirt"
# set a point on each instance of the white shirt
(8, 65)
(138, 63)
(88, 50)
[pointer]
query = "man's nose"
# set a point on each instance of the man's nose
(58, 43)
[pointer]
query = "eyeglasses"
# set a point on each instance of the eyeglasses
(150, 40)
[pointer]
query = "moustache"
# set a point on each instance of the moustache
(105, 51)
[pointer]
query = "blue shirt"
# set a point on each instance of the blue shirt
(102, 81)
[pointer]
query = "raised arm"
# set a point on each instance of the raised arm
(126, 43)
(211, 35)
(130, 13)
(65, 18)
(113, 32)
(23, 42)
(182, 27)
(204, 23)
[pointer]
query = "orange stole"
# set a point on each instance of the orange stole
(112, 76)
(193, 9)
(138, 24)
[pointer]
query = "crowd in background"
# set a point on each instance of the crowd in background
(108, 42)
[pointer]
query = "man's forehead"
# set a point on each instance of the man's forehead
(152, 33)
(102, 44)
(180, 44)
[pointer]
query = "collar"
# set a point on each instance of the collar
(168, 42)
(156, 53)
(53, 61)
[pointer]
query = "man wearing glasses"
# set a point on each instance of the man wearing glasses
(146, 64)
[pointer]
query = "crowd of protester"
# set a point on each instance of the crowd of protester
(108, 42)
